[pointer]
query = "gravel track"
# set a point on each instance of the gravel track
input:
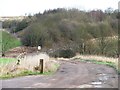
(71, 74)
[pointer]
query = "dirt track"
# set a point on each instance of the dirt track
(72, 74)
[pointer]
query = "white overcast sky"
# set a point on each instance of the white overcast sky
(20, 7)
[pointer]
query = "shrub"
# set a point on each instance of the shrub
(67, 53)
(73, 29)
(21, 25)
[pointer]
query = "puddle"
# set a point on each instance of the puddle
(96, 83)
(98, 86)
(85, 86)
(92, 85)
(103, 77)
(102, 74)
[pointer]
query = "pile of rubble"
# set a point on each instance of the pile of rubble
(18, 50)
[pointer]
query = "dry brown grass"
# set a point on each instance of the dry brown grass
(29, 63)
(98, 58)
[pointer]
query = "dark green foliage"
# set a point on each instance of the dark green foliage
(15, 26)
(63, 53)
(21, 25)
(66, 53)
(9, 23)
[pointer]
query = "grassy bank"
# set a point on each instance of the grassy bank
(107, 63)
(24, 73)
(8, 41)
(111, 64)
(21, 71)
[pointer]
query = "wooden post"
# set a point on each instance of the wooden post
(41, 66)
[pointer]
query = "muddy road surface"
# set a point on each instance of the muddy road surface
(71, 74)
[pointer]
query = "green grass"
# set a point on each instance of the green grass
(8, 41)
(24, 73)
(110, 64)
(7, 60)
(27, 73)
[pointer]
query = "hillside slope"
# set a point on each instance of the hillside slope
(71, 29)
(8, 41)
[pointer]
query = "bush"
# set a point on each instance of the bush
(67, 53)
(73, 29)
(21, 25)
(63, 53)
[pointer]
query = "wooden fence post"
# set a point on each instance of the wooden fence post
(41, 66)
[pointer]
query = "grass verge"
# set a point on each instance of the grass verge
(27, 73)
(107, 63)
(24, 73)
